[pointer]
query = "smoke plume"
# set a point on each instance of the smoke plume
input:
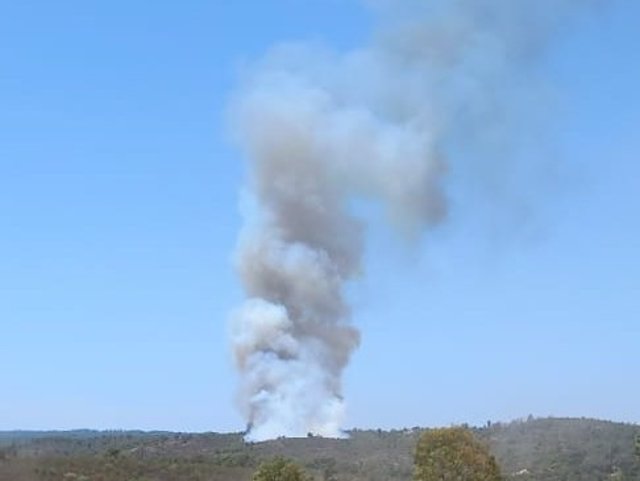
(382, 123)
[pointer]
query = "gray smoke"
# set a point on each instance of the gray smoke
(381, 123)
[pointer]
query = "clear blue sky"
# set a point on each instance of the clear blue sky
(118, 214)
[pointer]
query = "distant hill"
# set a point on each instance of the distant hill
(565, 449)
(549, 449)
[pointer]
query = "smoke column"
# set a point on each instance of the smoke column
(377, 123)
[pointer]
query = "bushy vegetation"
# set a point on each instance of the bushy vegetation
(565, 449)
(527, 450)
(280, 469)
(454, 454)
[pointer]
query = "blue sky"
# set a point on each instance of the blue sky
(119, 213)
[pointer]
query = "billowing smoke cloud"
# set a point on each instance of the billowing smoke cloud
(382, 123)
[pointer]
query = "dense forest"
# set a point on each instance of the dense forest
(549, 449)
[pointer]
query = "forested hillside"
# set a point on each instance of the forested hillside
(529, 450)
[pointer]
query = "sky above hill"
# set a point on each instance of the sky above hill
(119, 201)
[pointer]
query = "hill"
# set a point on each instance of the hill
(549, 449)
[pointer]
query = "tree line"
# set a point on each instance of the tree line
(447, 454)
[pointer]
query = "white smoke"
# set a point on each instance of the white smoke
(377, 123)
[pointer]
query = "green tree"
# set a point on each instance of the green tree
(280, 469)
(454, 454)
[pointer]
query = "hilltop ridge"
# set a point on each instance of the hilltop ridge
(540, 449)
